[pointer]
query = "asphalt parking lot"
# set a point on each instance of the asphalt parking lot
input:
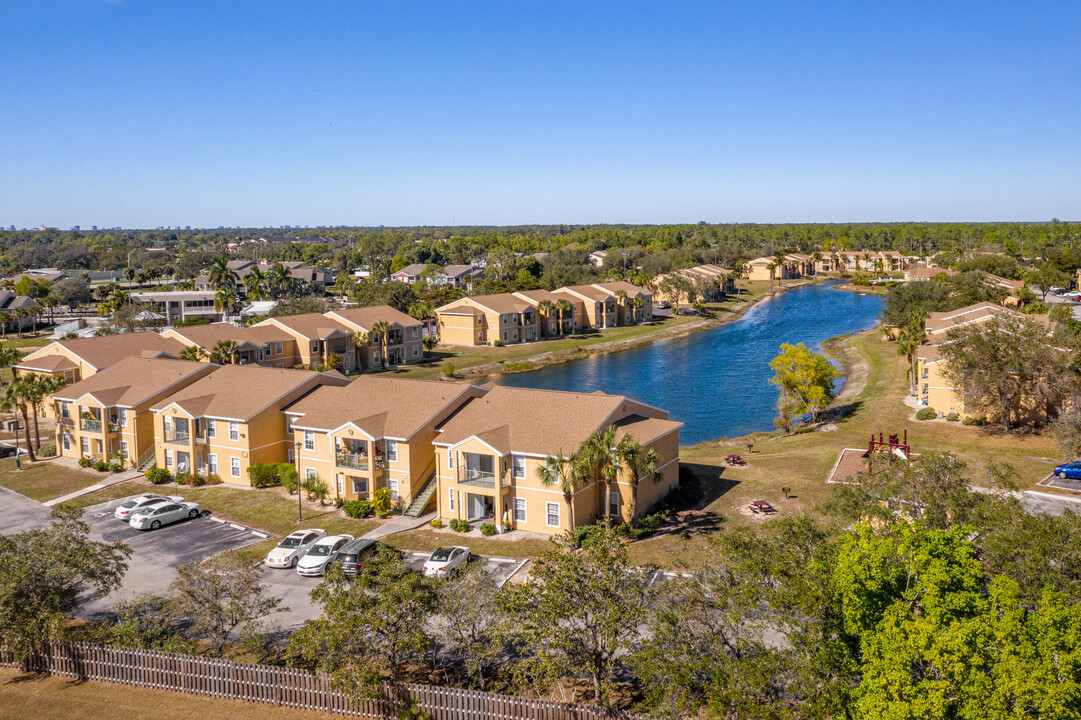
(156, 554)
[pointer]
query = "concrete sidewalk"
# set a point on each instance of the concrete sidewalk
(397, 525)
(113, 479)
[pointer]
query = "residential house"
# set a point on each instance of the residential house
(224, 423)
(375, 432)
(410, 274)
(485, 319)
(79, 358)
(459, 276)
(626, 312)
(10, 301)
(304, 276)
(549, 323)
(109, 412)
(261, 344)
(765, 268)
(320, 340)
(404, 343)
(596, 258)
(180, 305)
(919, 273)
(489, 453)
(598, 306)
(711, 283)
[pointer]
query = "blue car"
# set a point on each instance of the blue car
(1070, 470)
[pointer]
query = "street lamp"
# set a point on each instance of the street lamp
(300, 510)
(18, 465)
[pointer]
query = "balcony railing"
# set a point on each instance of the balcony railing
(177, 438)
(91, 426)
(477, 478)
(351, 460)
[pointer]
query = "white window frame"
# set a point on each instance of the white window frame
(122, 416)
(520, 510)
(278, 348)
(392, 450)
(450, 458)
(65, 439)
(392, 485)
(65, 410)
(234, 466)
(341, 484)
(211, 429)
(514, 460)
(359, 489)
(234, 430)
(125, 449)
(614, 499)
(309, 473)
(212, 463)
(451, 500)
(291, 454)
(168, 458)
(548, 514)
(309, 440)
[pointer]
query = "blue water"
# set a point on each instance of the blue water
(717, 381)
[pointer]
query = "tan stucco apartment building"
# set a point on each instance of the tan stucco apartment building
(232, 419)
(78, 359)
(261, 345)
(405, 342)
(488, 453)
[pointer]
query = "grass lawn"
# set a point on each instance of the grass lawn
(803, 461)
(54, 698)
(426, 539)
(45, 480)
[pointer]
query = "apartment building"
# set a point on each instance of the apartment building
(375, 432)
(548, 319)
(488, 454)
(598, 306)
(405, 341)
(180, 305)
(484, 319)
(109, 412)
(81, 358)
(260, 345)
(232, 419)
(319, 339)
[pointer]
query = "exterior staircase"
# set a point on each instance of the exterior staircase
(420, 502)
(147, 460)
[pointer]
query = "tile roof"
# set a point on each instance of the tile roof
(593, 293)
(104, 350)
(309, 325)
(414, 269)
(207, 336)
(940, 322)
(366, 317)
(48, 363)
(502, 303)
(645, 430)
(613, 287)
(241, 391)
(134, 380)
(379, 406)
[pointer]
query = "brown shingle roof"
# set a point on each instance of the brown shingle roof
(48, 363)
(587, 291)
(207, 336)
(645, 430)
(241, 391)
(378, 406)
(940, 322)
(105, 350)
(132, 381)
(502, 303)
(612, 287)
(313, 326)
(366, 317)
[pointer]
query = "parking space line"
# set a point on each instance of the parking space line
(217, 519)
(260, 534)
(236, 527)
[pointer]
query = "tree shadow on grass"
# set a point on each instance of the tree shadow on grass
(699, 486)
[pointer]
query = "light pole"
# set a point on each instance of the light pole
(18, 465)
(300, 509)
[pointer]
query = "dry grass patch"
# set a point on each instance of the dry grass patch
(44, 480)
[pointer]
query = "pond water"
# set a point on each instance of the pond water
(716, 381)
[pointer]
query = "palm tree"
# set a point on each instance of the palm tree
(429, 345)
(37, 389)
(221, 275)
(559, 470)
(8, 357)
(779, 259)
(772, 273)
(816, 258)
(637, 301)
(621, 303)
(50, 302)
(381, 330)
(225, 352)
(15, 398)
(597, 460)
(423, 311)
(225, 300)
(545, 308)
(280, 280)
(564, 306)
(18, 314)
(256, 283)
(639, 463)
(360, 341)
(193, 353)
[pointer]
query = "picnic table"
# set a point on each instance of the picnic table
(761, 506)
(735, 460)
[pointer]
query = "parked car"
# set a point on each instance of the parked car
(1069, 470)
(11, 451)
(153, 517)
(293, 547)
(322, 553)
(444, 562)
(662, 305)
(353, 554)
(1055, 290)
(133, 505)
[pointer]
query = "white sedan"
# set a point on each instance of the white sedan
(321, 554)
(292, 548)
(133, 505)
(444, 562)
(152, 518)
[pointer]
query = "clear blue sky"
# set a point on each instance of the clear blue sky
(141, 113)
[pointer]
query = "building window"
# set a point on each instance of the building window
(452, 499)
(66, 437)
(392, 451)
(85, 445)
(309, 473)
(392, 483)
(309, 439)
(416, 331)
(341, 484)
(360, 486)
(212, 463)
(519, 509)
(416, 351)
(450, 458)
(65, 410)
(122, 417)
(234, 466)
(518, 463)
(211, 431)
(613, 503)
(168, 458)
(291, 455)
(277, 348)
(124, 449)
(552, 514)
(234, 430)
(504, 336)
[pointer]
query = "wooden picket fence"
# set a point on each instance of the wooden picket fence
(288, 687)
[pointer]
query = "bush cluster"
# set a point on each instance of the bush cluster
(158, 476)
(926, 414)
(437, 523)
(264, 475)
(84, 462)
(357, 508)
(459, 525)
(977, 421)
(487, 529)
(47, 450)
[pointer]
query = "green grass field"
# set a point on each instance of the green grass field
(45, 480)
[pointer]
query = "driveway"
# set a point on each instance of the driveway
(18, 513)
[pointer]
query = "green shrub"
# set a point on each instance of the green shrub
(316, 489)
(183, 478)
(437, 523)
(84, 462)
(459, 525)
(158, 476)
(954, 416)
(287, 476)
(497, 343)
(357, 508)
(101, 466)
(926, 414)
(647, 525)
(116, 466)
(381, 502)
(977, 421)
(448, 369)
(213, 479)
(487, 529)
(263, 475)
(338, 502)
(47, 450)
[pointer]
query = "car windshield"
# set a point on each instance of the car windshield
(129, 504)
(320, 550)
(441, 555)
(290, 542)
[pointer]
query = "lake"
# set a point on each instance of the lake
(716, 381)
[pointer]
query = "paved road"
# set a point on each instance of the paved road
(1056, 299)
(18, 512)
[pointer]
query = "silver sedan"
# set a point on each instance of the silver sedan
(154, 517)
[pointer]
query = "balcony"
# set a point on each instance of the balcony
(351, 460)
(477, 478)
(90, 426)
(177, 438)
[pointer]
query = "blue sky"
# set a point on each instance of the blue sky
(406, 113)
